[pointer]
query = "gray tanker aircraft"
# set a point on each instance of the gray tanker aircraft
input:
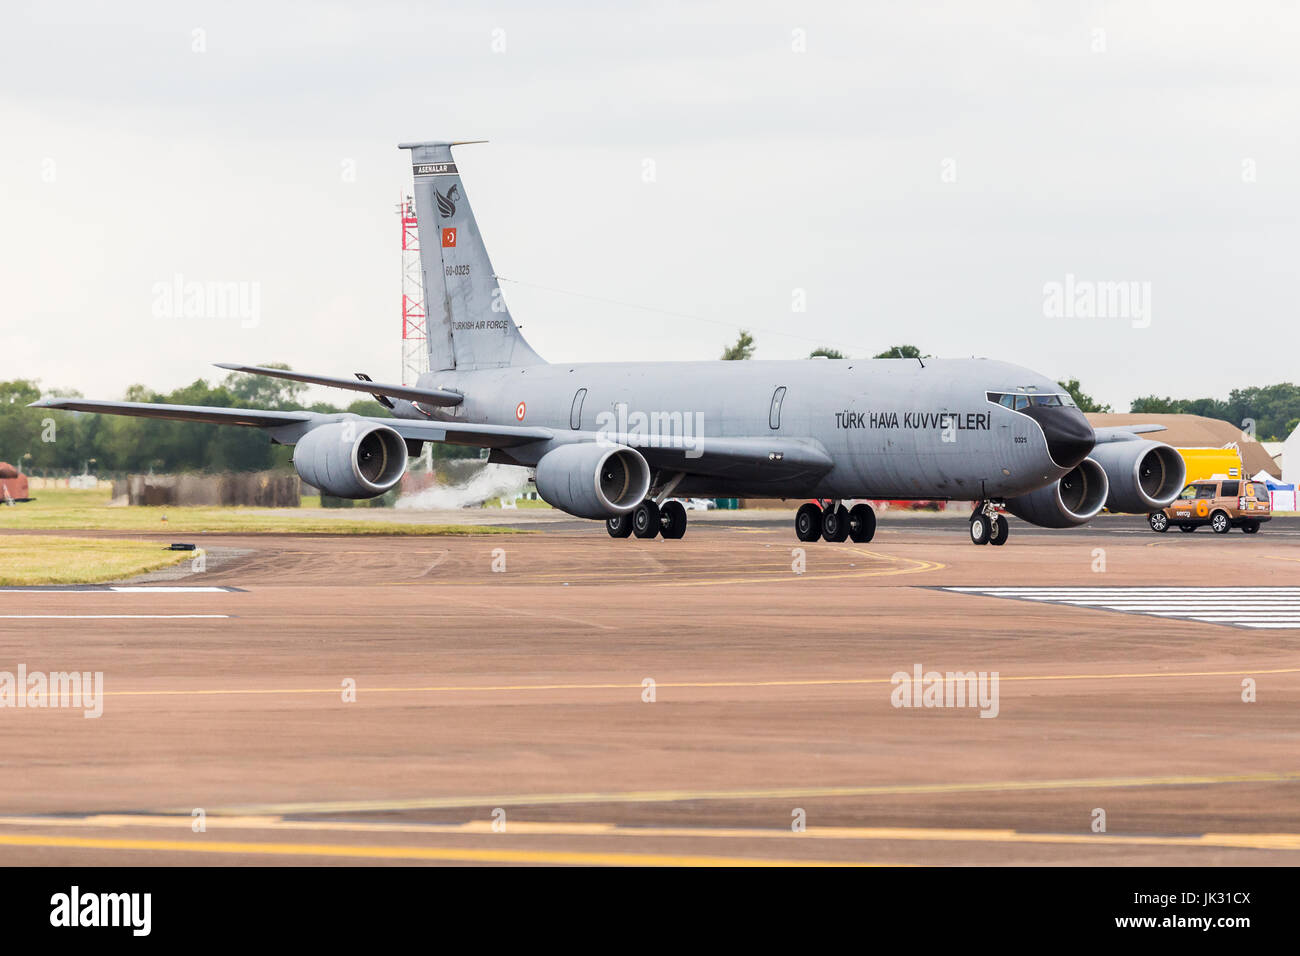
(618, 441)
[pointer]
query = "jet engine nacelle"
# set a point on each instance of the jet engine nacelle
(593, 480)
(1144, 475)
(1070, 501)
(351, 459)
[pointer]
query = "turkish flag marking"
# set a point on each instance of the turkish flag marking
(449, 238)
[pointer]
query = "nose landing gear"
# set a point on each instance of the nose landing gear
(987, 526)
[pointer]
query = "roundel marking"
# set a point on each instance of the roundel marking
(520, 410)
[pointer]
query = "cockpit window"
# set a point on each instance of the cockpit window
(1020, 401)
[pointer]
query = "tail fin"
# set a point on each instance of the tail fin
(469, 325)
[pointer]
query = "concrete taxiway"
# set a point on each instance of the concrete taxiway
(503, 711)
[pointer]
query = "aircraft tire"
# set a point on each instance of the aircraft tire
(999, 531)
(620, 526)
(979, 528)
(835, 524)
(808, 522)
(862, 523)
(672, 520)
(645, 519)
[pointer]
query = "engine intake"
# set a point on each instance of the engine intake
(1070, 501)
(1144, 475)
(351, 459)
(593, 480)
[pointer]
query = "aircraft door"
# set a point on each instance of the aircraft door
(774, 411)
(575, 412)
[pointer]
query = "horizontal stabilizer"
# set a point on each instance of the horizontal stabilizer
(426, 396)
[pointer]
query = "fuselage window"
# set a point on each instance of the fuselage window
(774, 413)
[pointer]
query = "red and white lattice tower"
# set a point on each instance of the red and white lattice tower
(415, 351)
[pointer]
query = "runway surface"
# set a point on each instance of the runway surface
(504, 713)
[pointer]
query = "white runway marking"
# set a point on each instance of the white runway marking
(165, 589)
(116, 589)
(101, 617)
(1272, 608)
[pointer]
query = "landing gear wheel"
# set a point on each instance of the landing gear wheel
(808, 522)
(835, 524)
(999, 530)
(862, 523)
(620, 526)
(645, 519)
(1219, 522)
(672, 519)
(1159, 521)
(1250, 527)
(979, 528)
(1187, 527)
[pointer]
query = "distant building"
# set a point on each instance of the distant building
(1291, 458)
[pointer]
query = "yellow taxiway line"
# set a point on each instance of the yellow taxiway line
(407, 853)
(778, 793)
(809, 682)
(1253, 841)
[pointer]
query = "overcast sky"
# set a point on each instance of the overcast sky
(920, 171)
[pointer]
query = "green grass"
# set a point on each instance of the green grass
(64, 509)
(38, 559)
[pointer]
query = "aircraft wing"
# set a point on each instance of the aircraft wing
(467, 433)
(289, 426)
(182, 413)
(760, 458)
(427, 396)
(1124, 432)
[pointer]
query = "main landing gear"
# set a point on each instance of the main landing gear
(648, 519)
(835, 522)
(987, 526)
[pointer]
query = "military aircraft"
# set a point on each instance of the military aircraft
(620, 442)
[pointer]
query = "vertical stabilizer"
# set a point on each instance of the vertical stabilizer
(469, 325)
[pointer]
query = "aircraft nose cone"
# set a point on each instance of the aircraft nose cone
(1070, 437)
